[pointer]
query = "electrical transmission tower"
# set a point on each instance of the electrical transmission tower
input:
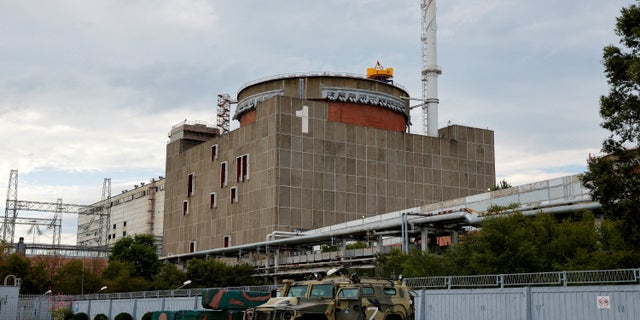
(105, 215)
(13, 205)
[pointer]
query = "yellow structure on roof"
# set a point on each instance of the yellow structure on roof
(380, 73)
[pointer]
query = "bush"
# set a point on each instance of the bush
(123, 316)
(68, 315)
(80, 316)
(101, 316)
(147, 316)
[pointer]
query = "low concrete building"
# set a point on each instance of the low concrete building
(136, 211)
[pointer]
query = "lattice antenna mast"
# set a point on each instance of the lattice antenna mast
(11, 208)
(105, 215)
(430, 71)
(224, 112)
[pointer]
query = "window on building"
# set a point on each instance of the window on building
(114, 226)
(226, 241)
(124, 233)
(124, 224)
(214, 152)
(234, 194)
(192, 246)
(212, 202)
(223, 174)
(191, 184)
(185, 207)
(242, 168)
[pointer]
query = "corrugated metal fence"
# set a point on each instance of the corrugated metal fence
(534, 296)
(584, 295)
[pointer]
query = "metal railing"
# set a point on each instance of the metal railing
(313, 74)
(164, 293)
(556, 278)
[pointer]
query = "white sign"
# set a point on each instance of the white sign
(304, 114)
(604, 302)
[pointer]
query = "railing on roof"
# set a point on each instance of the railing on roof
(315, 74)
(193, 123)
(556, 278)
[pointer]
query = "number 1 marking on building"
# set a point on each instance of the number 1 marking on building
(304, 114)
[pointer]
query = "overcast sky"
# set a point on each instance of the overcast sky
(90, 89)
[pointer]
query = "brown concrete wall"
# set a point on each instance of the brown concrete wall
(368, 116)
(248, 118)
(336, 172)
(247, 220)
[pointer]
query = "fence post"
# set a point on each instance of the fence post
(527, 303)
(423, 301)
(564, 278)
(135, 308)
(110, 308)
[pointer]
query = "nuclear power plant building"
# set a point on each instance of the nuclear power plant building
(312, 150)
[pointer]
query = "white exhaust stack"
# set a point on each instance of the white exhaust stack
(430, 71)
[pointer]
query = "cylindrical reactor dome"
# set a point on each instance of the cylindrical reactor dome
(350, 99)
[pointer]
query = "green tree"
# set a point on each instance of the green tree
(169, 277)
(214, 273)
(423, 264)
(74, 278)
(503, 184)
(140, 252)
(34, 278)
(614, 180)
(243, 275)
(208, 273)
(118, 276)
(391, 264)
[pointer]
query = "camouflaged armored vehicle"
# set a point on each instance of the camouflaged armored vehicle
(339, 297)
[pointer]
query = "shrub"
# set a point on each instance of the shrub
(101, 316)
(80, 316)
(147, 316)
(123, 316)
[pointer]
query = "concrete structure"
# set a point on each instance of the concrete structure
(295, 253)
(136, 211)
(312, 150)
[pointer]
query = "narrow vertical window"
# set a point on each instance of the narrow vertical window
(223, 174)
(226, 241)
(245, 167)
(234, 195)
(214, 152)
(192, 246)
(191, 183)
(185, 207)
(212, 202)
(242, 168)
